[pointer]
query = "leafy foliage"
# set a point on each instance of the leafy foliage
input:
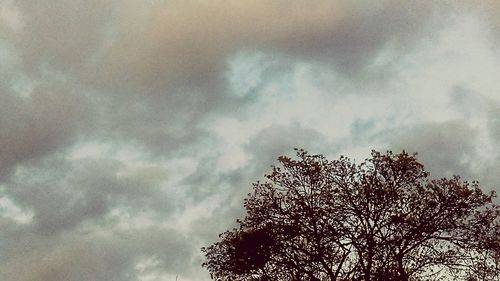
(384, 219)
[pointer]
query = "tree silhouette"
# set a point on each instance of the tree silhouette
(384, 219)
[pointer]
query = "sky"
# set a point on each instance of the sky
(131, 130)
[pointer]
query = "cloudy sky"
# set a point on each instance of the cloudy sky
(131, 130)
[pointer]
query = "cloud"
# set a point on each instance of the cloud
(130, 131)
(161, 64)
(445, 148)
(224, 190)
(93, 219)
(184, 45)
(71, 194)
(43, 123)
(486, 11)
(111, 255)
(10, 16)
(158, 67)
(187, 43)
(61, 37)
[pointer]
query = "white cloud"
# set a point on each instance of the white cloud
(10, 210)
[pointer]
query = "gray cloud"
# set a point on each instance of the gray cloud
(493, 115)
(111, 255)
(472, 105)
(188, 44)
(450, 148)
(43, 123)
(444, 148)
(62, 36)
(152, 76)
(263, 150)
(160, 65)
(487, 12)
(69, 194)
(74, 235)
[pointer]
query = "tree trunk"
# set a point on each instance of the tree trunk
(403, 276)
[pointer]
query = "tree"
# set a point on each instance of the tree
(384, 219)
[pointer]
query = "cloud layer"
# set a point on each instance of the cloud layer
(132, 130)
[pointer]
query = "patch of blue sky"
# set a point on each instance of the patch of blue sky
(245, 71)
(248, 72)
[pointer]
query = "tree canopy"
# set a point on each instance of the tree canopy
(383, 219)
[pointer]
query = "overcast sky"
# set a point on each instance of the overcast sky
(130, 131)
